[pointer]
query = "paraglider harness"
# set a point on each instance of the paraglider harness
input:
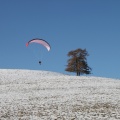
(40, 62)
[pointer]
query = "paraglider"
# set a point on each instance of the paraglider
(41, 42)
(40, 62)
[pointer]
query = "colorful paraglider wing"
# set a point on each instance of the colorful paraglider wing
(40, 41)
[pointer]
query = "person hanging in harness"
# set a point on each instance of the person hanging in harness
(40, 62)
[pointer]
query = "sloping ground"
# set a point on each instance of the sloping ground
(44, 95)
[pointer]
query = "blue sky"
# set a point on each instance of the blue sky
(66, 25)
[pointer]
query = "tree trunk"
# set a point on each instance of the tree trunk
(78, 73)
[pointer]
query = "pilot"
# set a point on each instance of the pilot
(40, 62)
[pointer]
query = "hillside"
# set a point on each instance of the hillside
(45, 95)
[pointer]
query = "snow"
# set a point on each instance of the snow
(45, 95)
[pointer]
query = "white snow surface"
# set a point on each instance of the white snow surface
(45, 95)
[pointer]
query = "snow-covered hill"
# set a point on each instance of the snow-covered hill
(44, 95)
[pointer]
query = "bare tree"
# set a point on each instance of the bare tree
(78, 62)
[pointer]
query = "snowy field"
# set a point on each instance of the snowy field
(44, 95)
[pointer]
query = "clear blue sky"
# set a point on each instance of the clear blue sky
(66, 25)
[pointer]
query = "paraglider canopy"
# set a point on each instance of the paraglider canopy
(40, 41)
